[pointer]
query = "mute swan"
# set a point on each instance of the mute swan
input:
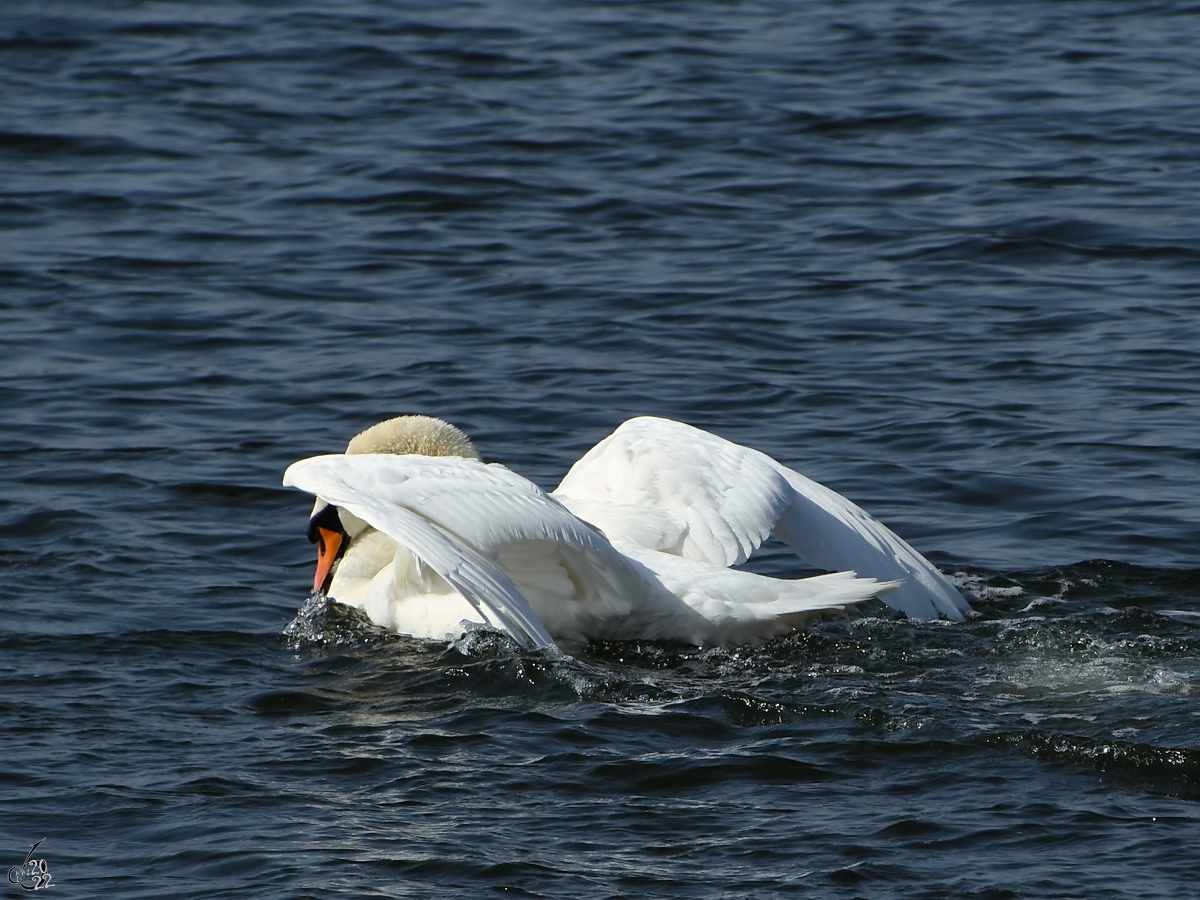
(636, 542)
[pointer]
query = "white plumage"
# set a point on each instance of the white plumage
(635, 542)
(671, 487)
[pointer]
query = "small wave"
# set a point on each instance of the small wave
(322, 623)
(1163, 770)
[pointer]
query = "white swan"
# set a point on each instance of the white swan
(636, 542)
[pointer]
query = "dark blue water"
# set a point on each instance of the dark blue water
(944, 258)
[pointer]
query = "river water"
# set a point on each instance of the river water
(944, 258)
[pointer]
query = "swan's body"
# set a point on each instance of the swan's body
(635, 543)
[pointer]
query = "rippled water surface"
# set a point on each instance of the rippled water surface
(944, 258)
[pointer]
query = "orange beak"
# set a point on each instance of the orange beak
(328, 544)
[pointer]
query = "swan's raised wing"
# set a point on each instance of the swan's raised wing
(671, 487)
(453, 514)
(668, 486)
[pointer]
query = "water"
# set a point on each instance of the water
(942, 258)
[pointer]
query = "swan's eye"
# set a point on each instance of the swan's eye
(326, 518)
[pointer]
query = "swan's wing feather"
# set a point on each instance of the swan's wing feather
(671, 487)
(832, 532)
(484, 506)
(725, 499)
(391, 494)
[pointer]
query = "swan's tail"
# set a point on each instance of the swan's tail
(741, 605)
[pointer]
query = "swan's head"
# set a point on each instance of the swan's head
(420, 435)
(331, 528)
